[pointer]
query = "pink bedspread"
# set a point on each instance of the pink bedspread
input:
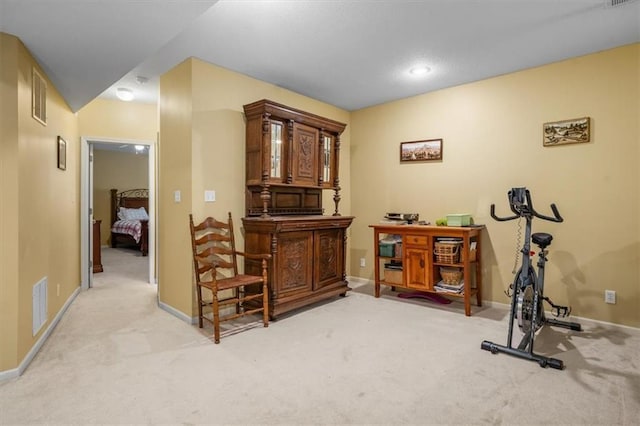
(129, 227)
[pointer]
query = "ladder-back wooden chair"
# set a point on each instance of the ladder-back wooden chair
(216, 269)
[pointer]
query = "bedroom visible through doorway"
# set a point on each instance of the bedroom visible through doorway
(122, 169)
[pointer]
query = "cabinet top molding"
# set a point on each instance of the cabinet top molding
(288, 113)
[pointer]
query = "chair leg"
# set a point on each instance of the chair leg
(265, 304)
(199, 294)
(216, 318)
(265, 295)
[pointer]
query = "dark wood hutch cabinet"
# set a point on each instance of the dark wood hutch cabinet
(291, 157)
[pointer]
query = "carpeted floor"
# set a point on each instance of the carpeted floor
(116, 358)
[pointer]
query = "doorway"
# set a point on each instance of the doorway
(87, 154)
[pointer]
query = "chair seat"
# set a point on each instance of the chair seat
(233, 282)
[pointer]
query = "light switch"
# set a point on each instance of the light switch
(209, 196)
(176, 196)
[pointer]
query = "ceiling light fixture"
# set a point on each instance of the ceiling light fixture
(141, 80)
(420, 70)
(124, 94)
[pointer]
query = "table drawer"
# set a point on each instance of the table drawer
(416, 240)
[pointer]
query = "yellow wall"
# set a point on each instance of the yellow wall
(119, 170)
(8, 202)
(174, 174)
(492, 132)
(41, 200)
(111, 119)
(202, 133)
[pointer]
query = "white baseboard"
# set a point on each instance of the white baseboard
(178, 314)
(357, 281)
(10, 374)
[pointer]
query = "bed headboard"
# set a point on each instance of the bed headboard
(131, 199)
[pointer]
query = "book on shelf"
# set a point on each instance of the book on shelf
(449, 288)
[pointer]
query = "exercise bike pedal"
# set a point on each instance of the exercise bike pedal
(561, 311)
(558, 310)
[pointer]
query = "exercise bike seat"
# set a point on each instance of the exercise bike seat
(542, 239)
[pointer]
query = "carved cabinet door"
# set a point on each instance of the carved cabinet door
(304, 155)
(294, 263)
(329, 259)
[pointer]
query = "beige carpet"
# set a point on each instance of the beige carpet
(115, 358)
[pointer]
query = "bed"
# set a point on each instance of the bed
(130, 219)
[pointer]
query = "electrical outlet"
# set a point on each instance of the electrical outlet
(363, 262)
(209, 196)
(610, 296)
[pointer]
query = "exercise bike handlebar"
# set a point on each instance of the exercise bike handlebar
(521, 208)
(556, 215)
(501, 219)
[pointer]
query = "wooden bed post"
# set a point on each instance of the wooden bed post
(114, 214)
(114, 205)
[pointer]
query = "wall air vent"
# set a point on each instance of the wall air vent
(615, 3)
(39, 305)
(39, 97)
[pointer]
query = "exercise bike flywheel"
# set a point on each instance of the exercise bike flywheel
(524, 313)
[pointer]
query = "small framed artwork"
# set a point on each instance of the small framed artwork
(426, 150)
(62, 154)
(577, 130)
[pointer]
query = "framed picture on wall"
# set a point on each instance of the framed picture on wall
(425, 150)
(576, 130)
(62, 154)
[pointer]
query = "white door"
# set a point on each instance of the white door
(90, 230)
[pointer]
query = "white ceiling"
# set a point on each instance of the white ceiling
(349, 53)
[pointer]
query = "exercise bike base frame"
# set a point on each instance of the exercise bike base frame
(570, 325)
(543, 361)
(524, 351)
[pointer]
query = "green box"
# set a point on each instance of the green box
(458, 219)
(386, 249)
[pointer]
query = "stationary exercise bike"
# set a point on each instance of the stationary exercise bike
(527, 290)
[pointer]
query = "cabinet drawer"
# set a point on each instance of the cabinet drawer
(416, 240)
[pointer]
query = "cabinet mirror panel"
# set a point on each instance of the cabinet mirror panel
(327, 154)
(276, 150)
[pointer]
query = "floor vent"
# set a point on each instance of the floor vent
(39, 305)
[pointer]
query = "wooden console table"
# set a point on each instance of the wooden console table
(420, 268)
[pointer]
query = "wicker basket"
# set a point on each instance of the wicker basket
(451, 276)
(447, 252)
